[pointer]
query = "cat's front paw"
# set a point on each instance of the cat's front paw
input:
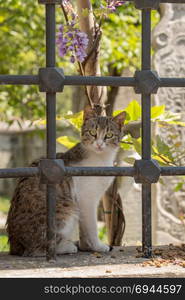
(67, 247)
(95, 247)
(100, 247)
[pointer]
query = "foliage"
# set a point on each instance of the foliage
(122, 53)
(4, 204)
(121, 50)
(67, 141)
(102, 234)
(165, 154)
(76, 120)
(4, 246)
(22, 51)
(22, 31)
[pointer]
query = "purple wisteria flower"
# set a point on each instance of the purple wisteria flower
(113, 4)
(71, 40)
(66, 2)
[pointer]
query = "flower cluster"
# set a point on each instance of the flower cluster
(72, 40)
(113, 4)
(70, 11)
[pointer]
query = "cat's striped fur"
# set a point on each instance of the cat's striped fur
(77, 198)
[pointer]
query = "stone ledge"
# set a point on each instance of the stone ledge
(121, 262)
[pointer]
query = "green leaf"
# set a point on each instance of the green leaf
(162, 159)
(117, 112)
(156, 111)
(171, 116)
(178, 186)
(126, 143)
(75, 119)
(163, 148)
(67, 141)
(4, 246)
(175, 123)
(137, 145)
(130, 160)
(154, 150)
(4, 204)
(134, 110)
(126, 146)
(161, 181)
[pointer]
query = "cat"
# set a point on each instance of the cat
(77, 197)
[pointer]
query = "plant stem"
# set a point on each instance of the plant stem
(65, 14)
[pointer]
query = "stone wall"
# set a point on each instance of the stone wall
(169, 61)
(168, 206)
(18, 148)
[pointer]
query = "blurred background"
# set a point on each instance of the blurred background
(22, 109)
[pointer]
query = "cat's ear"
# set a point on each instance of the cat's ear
(120, 119)
(133, 128)
(89, 113)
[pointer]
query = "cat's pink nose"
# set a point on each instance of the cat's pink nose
(99, 144)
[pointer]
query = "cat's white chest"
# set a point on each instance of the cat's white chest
(92, 188)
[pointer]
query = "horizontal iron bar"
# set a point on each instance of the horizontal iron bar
(70, 171)
(172, 171)
(89, 80)
(71, 80)
(99, 81)
(19, 79)
(19, 172)
(88, 171)
(99, 171)
(172, 82)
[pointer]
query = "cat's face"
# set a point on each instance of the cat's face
(101, 134)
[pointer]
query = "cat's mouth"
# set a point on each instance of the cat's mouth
(99, 149)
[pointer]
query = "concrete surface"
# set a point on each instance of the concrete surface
(121, 262)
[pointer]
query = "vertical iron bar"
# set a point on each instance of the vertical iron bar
(51, 133)
(146, 134)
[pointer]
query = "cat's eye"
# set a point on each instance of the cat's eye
(109, 135)
(93, 132)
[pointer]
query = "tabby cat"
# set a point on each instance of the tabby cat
(77, 197)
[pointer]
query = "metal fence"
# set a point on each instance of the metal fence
(52, 80)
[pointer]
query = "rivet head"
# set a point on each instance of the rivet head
(146, 171)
